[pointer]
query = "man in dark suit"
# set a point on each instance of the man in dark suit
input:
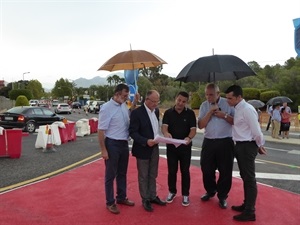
(143, 128)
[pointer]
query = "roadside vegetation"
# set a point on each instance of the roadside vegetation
(270, 81)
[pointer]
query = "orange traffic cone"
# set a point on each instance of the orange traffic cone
(49, 145)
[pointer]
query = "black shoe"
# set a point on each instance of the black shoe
(244, 216)
(222, 203)
(207, 196)
(158, 201)
(147, 206)
(238, 208)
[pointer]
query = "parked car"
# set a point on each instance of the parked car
(87, 105)
(76, 105)
(95, 106)
(33, 102)
(43, 104)
(28, 118)
(63, 108)
(55, 103)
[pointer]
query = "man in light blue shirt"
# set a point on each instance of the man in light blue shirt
(113, 137)
(216, 116)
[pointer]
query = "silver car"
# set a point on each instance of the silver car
(63, 108)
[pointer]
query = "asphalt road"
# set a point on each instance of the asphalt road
(280, 168)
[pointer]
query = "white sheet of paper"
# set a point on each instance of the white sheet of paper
(173, 141)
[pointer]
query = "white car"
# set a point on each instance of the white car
(55, 103)
(63, 108)
(33, 102)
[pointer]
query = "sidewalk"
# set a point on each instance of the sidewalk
(78, 197)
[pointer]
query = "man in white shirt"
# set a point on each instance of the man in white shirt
(249, 140)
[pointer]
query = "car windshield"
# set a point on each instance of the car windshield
(17, 110)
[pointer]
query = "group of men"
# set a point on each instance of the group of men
(231, 129)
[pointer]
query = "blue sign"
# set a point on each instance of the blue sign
(131, 77)
(297, 35)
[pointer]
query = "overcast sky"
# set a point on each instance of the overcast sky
(52, 39)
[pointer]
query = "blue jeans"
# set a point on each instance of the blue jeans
(116, 168)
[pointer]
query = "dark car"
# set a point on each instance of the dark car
(28, 118)
(76, 105)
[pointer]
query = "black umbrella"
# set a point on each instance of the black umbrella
(256, 103)
(215, 68)
(279, 100)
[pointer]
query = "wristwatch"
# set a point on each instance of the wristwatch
(226, 115)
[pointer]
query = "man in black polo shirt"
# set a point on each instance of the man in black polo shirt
(179, 122)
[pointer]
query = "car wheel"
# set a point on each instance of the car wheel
(30, 127)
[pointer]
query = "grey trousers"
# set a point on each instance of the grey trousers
(147, 174)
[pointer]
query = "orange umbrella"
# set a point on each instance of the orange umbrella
(131, 60)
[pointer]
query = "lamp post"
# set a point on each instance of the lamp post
(23, 84)
(25, 73)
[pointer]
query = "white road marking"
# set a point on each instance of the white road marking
(273, 176)
(294, 152)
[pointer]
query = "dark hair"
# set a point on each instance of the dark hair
(235, 89)
(120, 88)
(184, 94)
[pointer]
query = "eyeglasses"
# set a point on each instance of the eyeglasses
(155, 102)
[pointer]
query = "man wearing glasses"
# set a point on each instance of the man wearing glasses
(143, 128)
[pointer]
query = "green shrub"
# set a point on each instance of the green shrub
(14, 94)
(195, 101)
(22, 101)
(267, 95)
(251, 93)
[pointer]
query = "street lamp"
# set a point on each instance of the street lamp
(25, 73)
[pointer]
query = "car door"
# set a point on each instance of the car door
(49, 116)
(38, 116)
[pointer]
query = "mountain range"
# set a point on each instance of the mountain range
(85, 83)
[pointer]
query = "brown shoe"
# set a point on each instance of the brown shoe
(113, 209)
(126, 202)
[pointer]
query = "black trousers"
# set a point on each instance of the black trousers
(245, 153)
(217, 154)
(182, 156)
(269, 123)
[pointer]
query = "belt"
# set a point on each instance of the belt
(243, 142)
(217, 139)
(117, 140)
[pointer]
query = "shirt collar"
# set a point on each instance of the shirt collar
(240, 104)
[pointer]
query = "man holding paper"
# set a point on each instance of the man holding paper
(179, 122)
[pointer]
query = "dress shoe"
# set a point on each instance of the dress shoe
(207, 196)
(147, 206)
(125, 202)
(222, 203)
(158, 201)
(238, 208)
(113, 209)
(244, 216)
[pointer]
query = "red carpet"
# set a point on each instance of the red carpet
(77, 197)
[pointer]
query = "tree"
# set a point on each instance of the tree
(36, 89)
(63, 88)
